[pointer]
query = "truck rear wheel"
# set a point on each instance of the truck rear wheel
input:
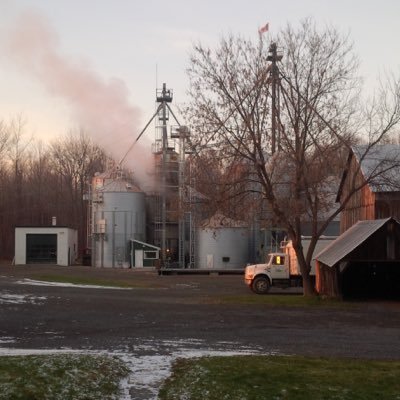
(260, 285)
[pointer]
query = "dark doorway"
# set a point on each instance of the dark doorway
(41, 248)
(372, 280)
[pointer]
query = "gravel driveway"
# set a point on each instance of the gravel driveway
(182, 313)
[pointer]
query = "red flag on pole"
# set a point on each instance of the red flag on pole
(264, 28)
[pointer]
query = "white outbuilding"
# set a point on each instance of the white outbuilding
(56, 245)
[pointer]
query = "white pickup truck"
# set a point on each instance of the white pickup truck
(281, 269)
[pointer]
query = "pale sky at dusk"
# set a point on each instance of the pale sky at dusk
(116, 46)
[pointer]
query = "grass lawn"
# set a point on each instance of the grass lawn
(273, 300)
(282, 378)
(60, 377)
(282, 300)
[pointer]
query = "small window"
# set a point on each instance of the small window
(150, 255)
(279, 260)
(226, 259)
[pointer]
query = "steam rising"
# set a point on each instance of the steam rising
(101, 108)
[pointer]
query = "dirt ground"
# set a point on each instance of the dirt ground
(163, 311)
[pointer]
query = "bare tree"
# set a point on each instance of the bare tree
(4, 138)
(319, 118)
(18, 153)
(4, 187)
(75, 159)
(219, 183)
(38, 181)
(40, 185)
(14, 151)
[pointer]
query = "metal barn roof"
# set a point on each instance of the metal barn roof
(146, 244)
(381, 164)
(118, 185)
(349, 241)
(219, 220)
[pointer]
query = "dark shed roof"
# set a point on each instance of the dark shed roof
(151, 246)
(349, 241)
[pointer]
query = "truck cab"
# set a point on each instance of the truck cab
(282, 269)
(275, 272)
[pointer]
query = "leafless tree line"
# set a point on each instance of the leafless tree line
(40, 181)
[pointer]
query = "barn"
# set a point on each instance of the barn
(364, 262)
(375, 171)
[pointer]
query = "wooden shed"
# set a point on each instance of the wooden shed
(362, 262)
(377, 172)
(144, 254)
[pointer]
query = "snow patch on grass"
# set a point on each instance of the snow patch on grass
(62, 376)
(8, 298)
(36, 352)
(148, 371)
(7, 339)
(33, 282)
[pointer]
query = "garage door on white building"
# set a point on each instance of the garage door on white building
(45, 245)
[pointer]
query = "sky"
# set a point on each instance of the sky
(96, 64)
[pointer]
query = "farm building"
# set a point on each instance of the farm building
(144, 254)
(222, 243)
(45, 245)
(118, 215)
(363, 262)
(377, 172)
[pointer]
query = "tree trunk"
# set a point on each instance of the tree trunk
(309, 285)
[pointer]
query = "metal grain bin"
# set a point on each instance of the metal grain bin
(222, 243)
(118, 216)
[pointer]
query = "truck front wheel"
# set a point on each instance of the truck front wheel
(260, 285)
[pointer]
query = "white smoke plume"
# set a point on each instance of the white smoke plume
(100, 108)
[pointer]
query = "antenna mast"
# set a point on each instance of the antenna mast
(274, 57)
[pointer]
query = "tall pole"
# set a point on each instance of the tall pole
(164, 97)
(183, 134)
(163, 178)
(274, 57)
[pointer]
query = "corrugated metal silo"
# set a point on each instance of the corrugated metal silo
(222, 243)
(118, 215)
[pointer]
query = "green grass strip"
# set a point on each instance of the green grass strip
(282, 378)
(60, 377)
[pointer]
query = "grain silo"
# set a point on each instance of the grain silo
(118, 216)
(222, 243)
